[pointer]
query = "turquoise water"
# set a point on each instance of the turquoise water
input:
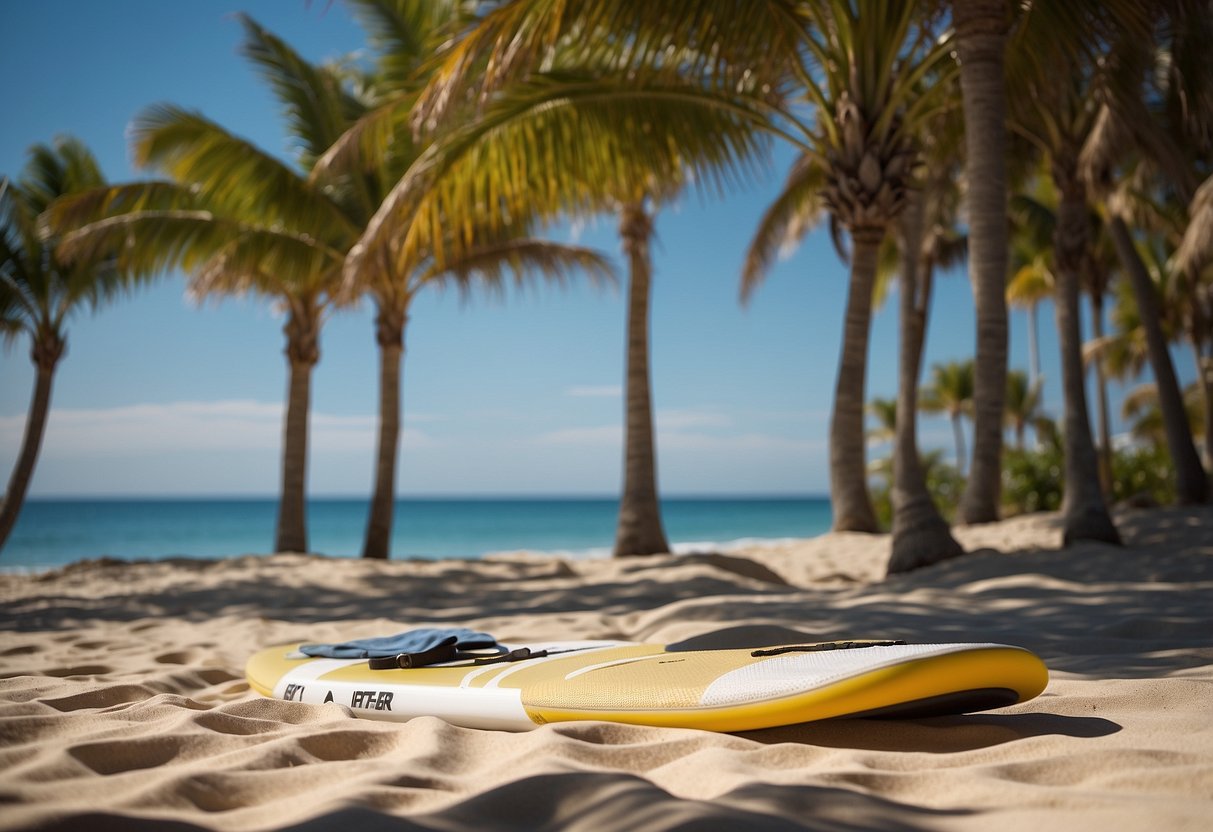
(56, 532)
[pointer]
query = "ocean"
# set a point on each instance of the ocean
(54, 532)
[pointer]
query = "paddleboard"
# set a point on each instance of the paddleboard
(644, 684)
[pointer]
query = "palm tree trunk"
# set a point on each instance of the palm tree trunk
(303, 352)
(848, 463)
(981, 35)
(1101, 403)
(1084, 514)
(1191, 483)
(639, 531)
(389, 334)
(920, 534)
(46, 353)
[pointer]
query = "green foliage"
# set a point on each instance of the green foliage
(1032, 480)
(944, 483)
(1143, 471)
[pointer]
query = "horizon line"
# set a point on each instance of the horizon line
(756, 495)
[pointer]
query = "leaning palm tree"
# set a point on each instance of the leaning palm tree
(39, 291)
(951, 392)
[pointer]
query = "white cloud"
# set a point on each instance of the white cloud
(601, 390)
(601, 435)
(241, 425)
(673, 420)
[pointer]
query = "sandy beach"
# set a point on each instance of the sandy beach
(123, 703)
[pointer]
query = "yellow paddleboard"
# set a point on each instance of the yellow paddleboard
(643, 684)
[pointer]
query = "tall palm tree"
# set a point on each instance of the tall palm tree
(1057, 111)
(866, 82)
(920, 534)
(981, 43)
(439, 242)
(984, 28)
(581, 116)
(39, 291)
(1147, 145)
(951, 391)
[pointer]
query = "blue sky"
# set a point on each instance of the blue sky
(521, 395)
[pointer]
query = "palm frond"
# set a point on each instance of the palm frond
(1196, 248)
(558, 144)
(77, 210)
(270, 264)
(1030, 285)
(378, 139)
(406, 34)
(486, 267)
(788, 218)
(233, 175)
(681, 39)
(62, 167)
(317, 109)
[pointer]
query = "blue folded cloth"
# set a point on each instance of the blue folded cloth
(412, 641)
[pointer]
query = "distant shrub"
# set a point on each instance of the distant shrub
(944, 483)
(1143, 471)
(1032, 480)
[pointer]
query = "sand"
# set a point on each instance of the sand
(123, 704)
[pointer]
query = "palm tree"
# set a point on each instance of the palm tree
(951, 391)
(1033, 221)
(1148, 144)
(574, 131)
(1023, 403)
(885, 413)
(981, 42)
(39, 291)
(437, 244)
(871, 107)
(920, 534)
(983, 30)
(1057, 112)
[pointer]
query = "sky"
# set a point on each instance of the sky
(520, 395)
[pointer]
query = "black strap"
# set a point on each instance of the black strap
(435, 655)
(519, 655)
(828, 645)
(448, 652)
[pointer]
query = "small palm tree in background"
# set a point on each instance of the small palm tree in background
(951, 392)
(39, 291)
(1023, 406)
